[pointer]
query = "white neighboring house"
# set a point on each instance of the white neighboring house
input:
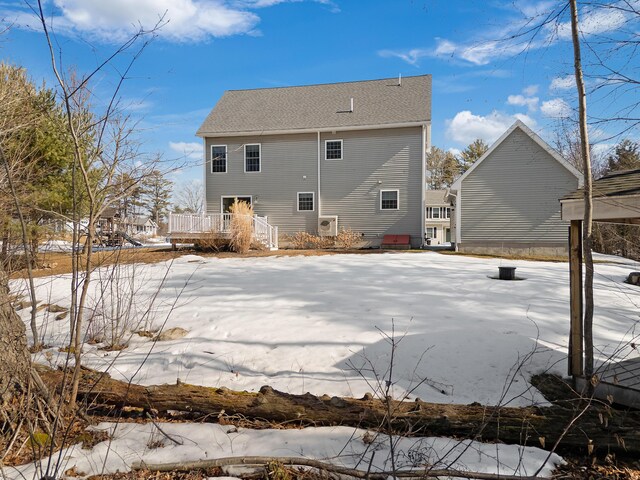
(508, 202)
(437, 217)
(139, 226)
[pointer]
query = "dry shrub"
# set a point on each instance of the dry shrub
(304, 241)
(300, 240)
(347, 238)
(241, 227)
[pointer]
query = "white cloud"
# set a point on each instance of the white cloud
(187, 149)
(520, 100)
(594, 22)
(465, 127)
(602, 149)
(478, 53)
(412, 56)
(555, 108)
(117, 20)
(454, 151)
(530, 91)
(563, 83)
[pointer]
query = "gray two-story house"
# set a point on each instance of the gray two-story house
(320, 158)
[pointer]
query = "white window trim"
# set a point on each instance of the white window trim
(313, 199)
(397, 199)
(259, 158)
(341, 149)
(226, 160)
(439, 210)
(222, 197)
(434, 231)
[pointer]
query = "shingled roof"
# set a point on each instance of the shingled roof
(312, 107)
(612, 185)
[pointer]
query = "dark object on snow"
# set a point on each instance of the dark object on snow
(507, 273)
(634, 278)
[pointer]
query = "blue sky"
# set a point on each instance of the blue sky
(481, 81)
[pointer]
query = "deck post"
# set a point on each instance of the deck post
(576, 356)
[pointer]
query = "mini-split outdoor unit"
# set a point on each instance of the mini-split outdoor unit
(328, 226)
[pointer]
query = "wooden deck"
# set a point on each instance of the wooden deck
(190, 228)
(619, 382)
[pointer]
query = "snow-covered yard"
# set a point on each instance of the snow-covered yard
(322, 324)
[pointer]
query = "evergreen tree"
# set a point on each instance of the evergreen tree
(625, 157)
(472, 153)
(157, 195)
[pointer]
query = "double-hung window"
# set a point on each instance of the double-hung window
(333, 149)
(252, 157)
(305, 202)
(433, 212)
(218, 159)
(389, 199)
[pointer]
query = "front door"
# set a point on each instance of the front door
(448, 235)
(228, 201)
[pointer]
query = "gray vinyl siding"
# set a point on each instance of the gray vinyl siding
(513, 196)
(375, 160)
(285, 161)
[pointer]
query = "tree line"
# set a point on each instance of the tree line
(444, 167)
(38, 165)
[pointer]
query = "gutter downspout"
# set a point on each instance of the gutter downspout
(205, 204)
(458, 214)
(423, 185)
(319, 196)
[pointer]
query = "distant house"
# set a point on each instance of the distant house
(139, 226)
(110, 221)
(320, 158)
(508, 201)
(437, 217)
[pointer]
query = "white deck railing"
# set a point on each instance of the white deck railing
(185, 223)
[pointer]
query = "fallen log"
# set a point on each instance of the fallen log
(598, 429)
(425, 472)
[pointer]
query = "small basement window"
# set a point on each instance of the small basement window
(305, 202)
(389, 199)
(252, 158)
(333, 150)
(218, 159)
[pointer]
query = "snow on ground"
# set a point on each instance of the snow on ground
(322, 324)
(343, 446)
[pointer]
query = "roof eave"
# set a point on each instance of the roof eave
(248, 133)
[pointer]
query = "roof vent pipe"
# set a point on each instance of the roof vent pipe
(399, 79)
(351, 109)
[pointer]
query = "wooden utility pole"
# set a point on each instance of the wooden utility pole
(587, 226)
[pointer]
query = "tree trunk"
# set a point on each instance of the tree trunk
(601, 429)
(14, 355)
(15, 368)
